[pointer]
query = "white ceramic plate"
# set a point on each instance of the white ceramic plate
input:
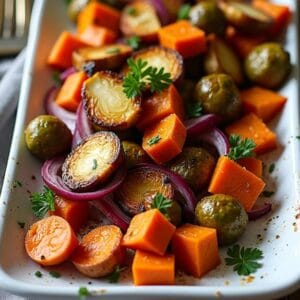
(276, 234)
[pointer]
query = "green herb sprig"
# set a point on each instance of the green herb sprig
(244, 260)
(161, 203)
(140, 75)
(194, 109)
(240, 148)
(184, 12)
(42, 202)
(154, 140)
(134, 42)
(115, 275)
(83, 293)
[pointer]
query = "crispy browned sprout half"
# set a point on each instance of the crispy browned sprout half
(140, 19)
(140, 185)
(245, 17)
(109, 57)
(160, 57)
(93, 161)
(134, 154)
(106, 104)
(220, 58)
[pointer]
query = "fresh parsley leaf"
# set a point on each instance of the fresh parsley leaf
(268, 193)
(184, 12)
(131, 11)
(41, 203)
(134, 42)
(271, 168)
(240, 148)
(161, 203)
(140, 74)
(54, 274)
(95, 164)
(56, 78)
(21, 224)
(83, 293)
(38, 274)
(154, 140)
(194, 109)
(244, 260)
(115, 275)
(113, 50)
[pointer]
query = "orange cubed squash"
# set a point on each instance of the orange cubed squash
(69, 96)
(195, 249)
(97, 36)
(149, 231)
(230, 178)
(252, 127)
(164, 140)
(252, 164)
(263, 102)
(61, 54)
(281, 14)
(98, 14)
(152, 269)
(183, 37)
(159, 106)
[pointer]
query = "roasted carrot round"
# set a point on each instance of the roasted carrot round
(50, 241)
(100, 251)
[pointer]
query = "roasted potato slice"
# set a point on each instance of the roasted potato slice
(109, 57)
(245, 17)
(220, 58)
(139, 18)
(93, 161)
(140, 185)
(160, 57)
(106, 104)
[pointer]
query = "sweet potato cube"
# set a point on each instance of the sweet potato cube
(150, 269)
(196, 249)
(164, 140)
(252, 164)
(232, 179)
(159, 106)
(263, 102)
(69, 96)
(61, 54)
(187, 39)
(149, 231)
(252, 127)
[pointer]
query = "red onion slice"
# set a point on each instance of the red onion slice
(76, 138)
(51, 175)
(161, 11)
(65, 74)
(259, 211)
(53, 109)
(181, 186)
(82, 122)
(112, 212)
(201, 124)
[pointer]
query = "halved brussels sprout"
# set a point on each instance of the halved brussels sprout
(134, 154)
(106, 104)
(93, 161)
(140, 185)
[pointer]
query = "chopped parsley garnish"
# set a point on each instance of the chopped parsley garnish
(21, 224)
(95, 164)
(154, 140)
(271, 168)
(38, 274)
(115, 275)
(54, 274)
(131, 11)
(41, 203)
(56, 78)
(133, 42)
(194, 109)
(113, 51)
(161, 203)
(184, 12)
(83, 293)
(240, 148)
(140, 75)
(244, 260)
(268, 193)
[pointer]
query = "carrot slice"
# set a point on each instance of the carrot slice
(164, 140)
(263, 102)
(281, 14)
(97, 36)
(99, 251)
(230, 178)
(196, 249)
(69, 96)
(252, 127)
(61, 54)
(159, 106)
(149, 231)
(252, 164)
(50, 241)
(74, 212)
(149, 268)
(98, 14)
(183, 37)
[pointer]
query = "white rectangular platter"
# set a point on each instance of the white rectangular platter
(276, 234)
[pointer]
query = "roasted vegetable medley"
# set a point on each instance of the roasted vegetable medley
(156, 124)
